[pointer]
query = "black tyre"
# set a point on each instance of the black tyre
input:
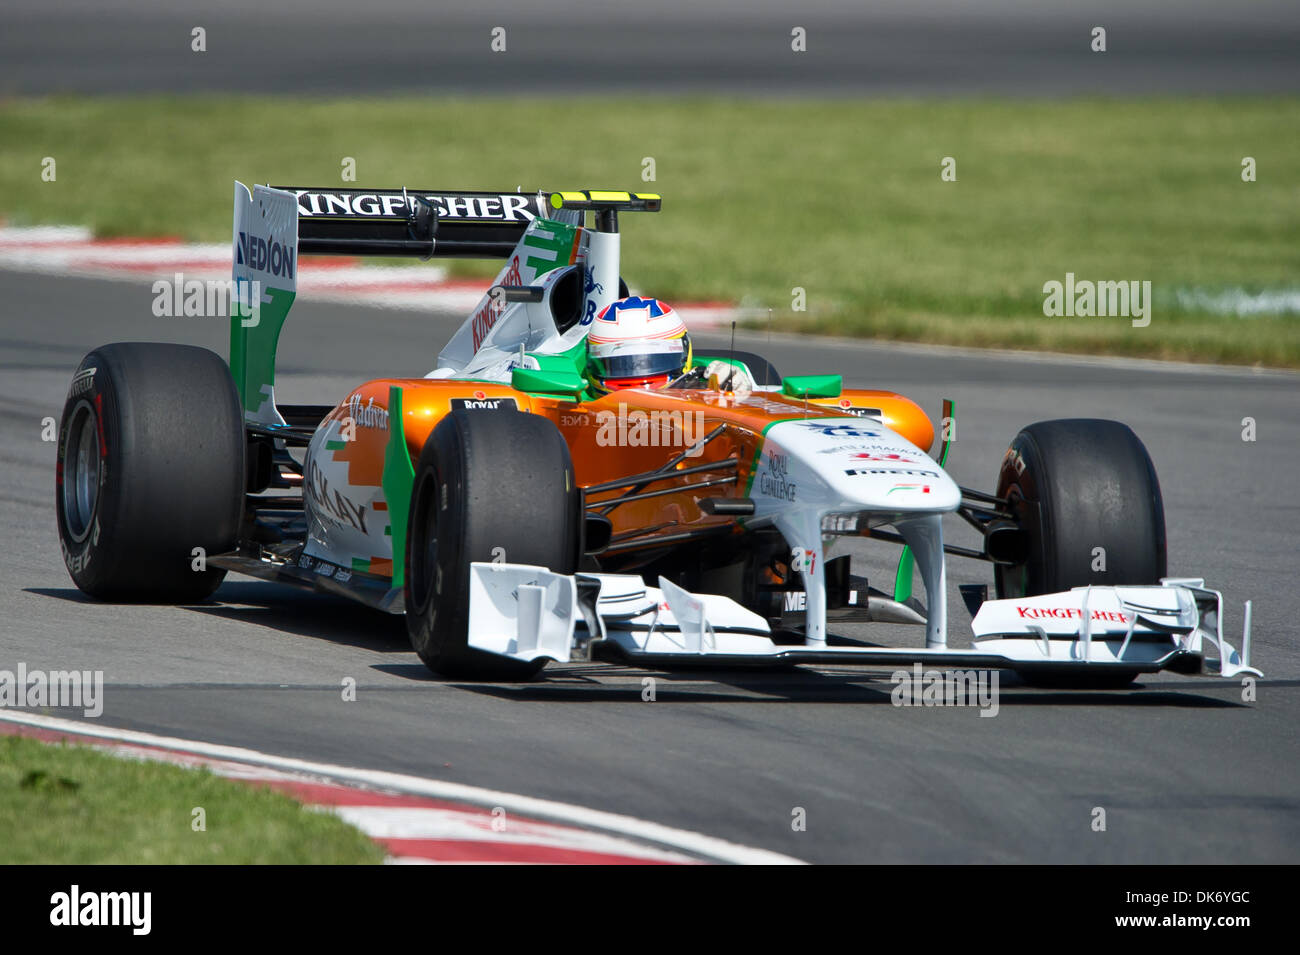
(150, 467)
(1078, 485)
(488, 485)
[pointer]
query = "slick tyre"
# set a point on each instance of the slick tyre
(489, 485)
(1086, 494)
(150, 478)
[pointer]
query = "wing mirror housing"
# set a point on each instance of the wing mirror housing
(534, 381)
(812, 386)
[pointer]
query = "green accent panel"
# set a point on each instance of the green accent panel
(555, 363)
(557, 243)
(335, 445)
(252, 347)
(361, 563)
(903, 578)
(813, 386)
(540, 382)
(574, 360)
(398, 480)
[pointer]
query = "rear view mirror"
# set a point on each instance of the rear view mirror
(534, 381)
(813, 386)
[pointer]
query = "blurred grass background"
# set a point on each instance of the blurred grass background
(842, 198)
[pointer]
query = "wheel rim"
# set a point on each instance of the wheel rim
(81, 472)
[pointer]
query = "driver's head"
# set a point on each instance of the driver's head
(636, 343)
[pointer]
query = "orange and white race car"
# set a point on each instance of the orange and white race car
(517, 508)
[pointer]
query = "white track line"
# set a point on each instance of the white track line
(693, 843)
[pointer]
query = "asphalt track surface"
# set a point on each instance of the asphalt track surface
(1005, 47)
(1185, 770)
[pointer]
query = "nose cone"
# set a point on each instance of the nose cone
(856, 465)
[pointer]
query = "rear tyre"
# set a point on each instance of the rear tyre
(1086, 493)
(150, 467)
(488, 485)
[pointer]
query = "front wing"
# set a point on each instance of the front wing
(529, 613)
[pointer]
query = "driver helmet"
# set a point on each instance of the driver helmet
(636, 343)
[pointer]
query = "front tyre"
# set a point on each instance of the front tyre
(489, 485)
(150, 475)
(1085, 492)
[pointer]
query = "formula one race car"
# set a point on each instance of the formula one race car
(516, 515)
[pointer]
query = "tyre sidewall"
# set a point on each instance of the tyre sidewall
(91, 559)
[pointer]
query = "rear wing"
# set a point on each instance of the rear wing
(445, 223)
(274, 225)
(420, 223)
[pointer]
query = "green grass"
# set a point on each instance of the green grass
(842, 198)
(70, 805)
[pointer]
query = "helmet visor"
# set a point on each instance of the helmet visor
(645, 360)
